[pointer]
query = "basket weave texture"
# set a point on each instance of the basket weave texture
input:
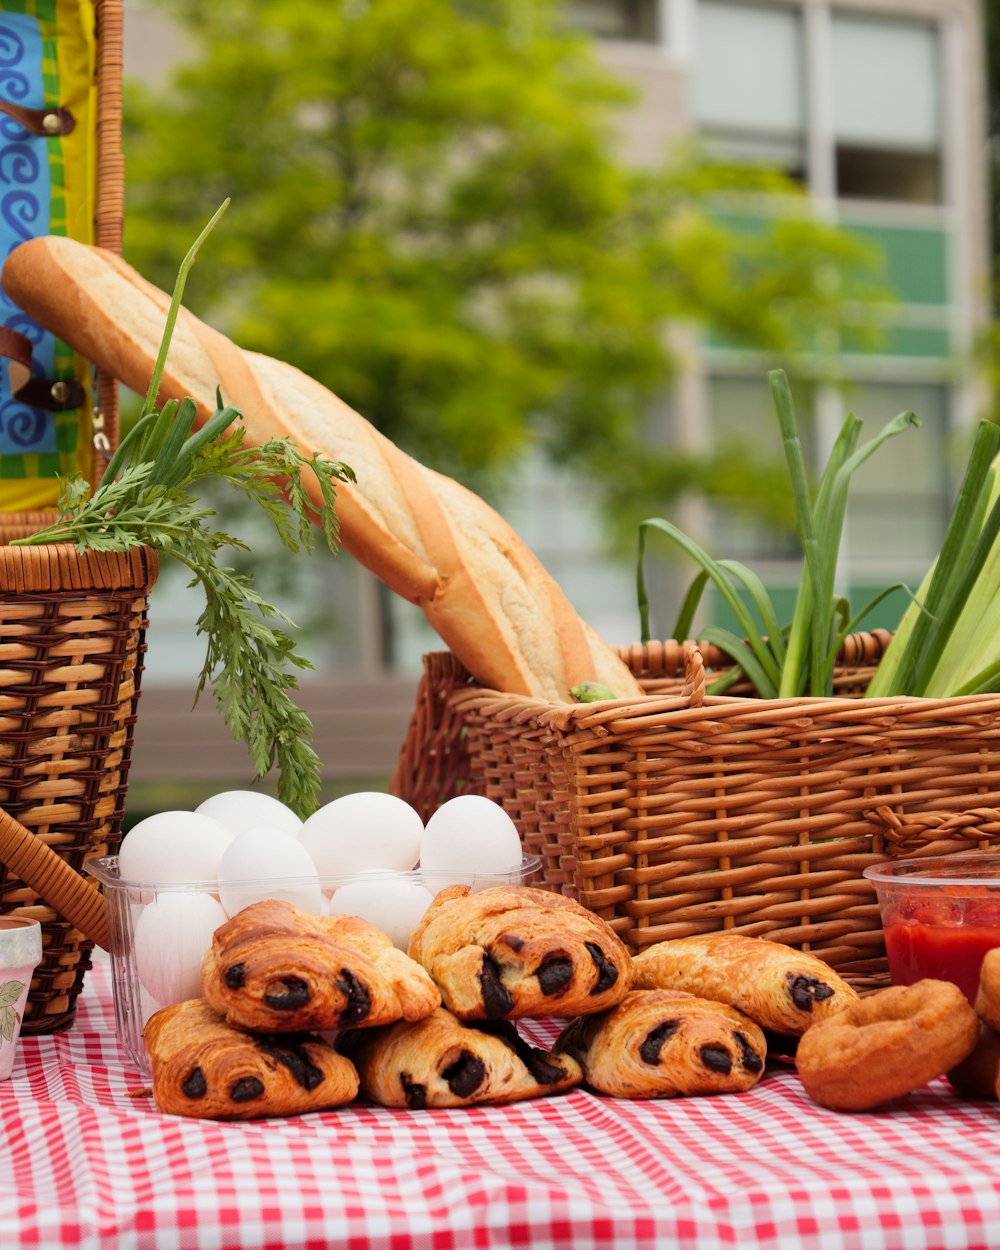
(683, 813)
(72, 631)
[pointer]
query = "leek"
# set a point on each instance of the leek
(938, 648)
(785, 660)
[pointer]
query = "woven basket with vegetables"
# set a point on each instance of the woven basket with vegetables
(760, 774)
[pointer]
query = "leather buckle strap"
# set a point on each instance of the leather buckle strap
(61, 395)
(47, 122)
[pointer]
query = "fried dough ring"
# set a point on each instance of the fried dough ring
(978, 1075)
(886, 1045)
(988, 997)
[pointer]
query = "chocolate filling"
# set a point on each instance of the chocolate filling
(415, 1093)
(246, 1089)
(807, 990)
(649, 1051)
(234, 976)
(194, 1084)
(752, 1062)
(497, 998)
(607, 973)
(287, 994)
(291, 1052)
(465, 1075)
(536, 1061)
(717, 1058)
(554, 974)
(359, 999)
(515, 943)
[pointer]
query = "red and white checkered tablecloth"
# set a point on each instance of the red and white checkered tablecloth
(83, 1164)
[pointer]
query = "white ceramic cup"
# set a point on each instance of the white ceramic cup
(20, 955)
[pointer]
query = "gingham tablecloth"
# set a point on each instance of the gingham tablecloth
(85, 1164)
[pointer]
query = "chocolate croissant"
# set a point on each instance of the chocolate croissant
(441, 1062)
(205, 1068)
(782, 989)
(275, 969)
(661, 1043)
(514, 951)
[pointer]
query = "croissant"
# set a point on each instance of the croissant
(441, 1062)
(514, 951)
(205, 1068)
(782, 989)
(272, 968)
(660, 1043)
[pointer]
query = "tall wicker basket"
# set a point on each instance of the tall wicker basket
(682, 813)
(71, 643)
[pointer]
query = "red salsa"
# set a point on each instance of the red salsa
(933, 941)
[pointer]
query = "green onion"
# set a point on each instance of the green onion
(929, 625)
(785, 661)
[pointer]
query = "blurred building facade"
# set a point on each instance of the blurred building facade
(877, 108)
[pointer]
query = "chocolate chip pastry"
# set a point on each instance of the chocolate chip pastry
(272, 968)
(514, 951)
(661, 1043)
(441, 1062)
(782, 989)
(204, 1067)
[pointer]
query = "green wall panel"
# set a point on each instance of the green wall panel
(916, 260)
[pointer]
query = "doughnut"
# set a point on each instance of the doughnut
(886, 1044)
(988, 997)
(976, 1076)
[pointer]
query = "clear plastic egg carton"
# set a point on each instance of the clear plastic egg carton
(160, 932)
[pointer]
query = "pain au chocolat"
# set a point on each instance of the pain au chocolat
(441, 1062)
(203, 1067)
(275, 969)
(514, 951)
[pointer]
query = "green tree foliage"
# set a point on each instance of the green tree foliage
(430, 215)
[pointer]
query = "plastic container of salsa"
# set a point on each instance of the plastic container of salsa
(940, 916)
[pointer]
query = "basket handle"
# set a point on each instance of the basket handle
(907, 831)
(62, 395)
(53, 880)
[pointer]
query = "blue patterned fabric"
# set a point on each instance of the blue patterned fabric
(25, 209)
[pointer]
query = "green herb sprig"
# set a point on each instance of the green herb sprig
(145, 498)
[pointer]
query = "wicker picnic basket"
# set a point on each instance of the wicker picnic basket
(683, 813)
(71, 644)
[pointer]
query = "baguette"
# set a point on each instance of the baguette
(428, 538)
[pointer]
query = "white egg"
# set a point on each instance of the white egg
(173, 847)
(390, 904)
(361, 831)
(171, 938)
(266, 863)
(469, 837)
(240, 810)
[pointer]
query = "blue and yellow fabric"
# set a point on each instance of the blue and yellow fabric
(47, 186)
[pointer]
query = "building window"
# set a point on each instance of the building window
(749, 94)
(616, 19)
(887, 109)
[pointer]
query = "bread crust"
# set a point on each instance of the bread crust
(428, 538)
